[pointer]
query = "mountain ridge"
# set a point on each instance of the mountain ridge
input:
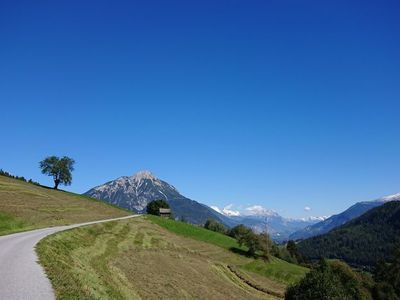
(135, 192)
(362, 241)
(347, 215)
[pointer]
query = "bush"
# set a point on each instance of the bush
(330, 280)
(213, 225)
(238, 230)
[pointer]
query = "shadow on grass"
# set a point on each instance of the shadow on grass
(241, 252)
(246, 254)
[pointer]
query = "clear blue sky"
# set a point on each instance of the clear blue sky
(285, 104)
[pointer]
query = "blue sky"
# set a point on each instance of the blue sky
(284, 104)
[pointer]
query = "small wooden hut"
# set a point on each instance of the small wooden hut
(165, 212)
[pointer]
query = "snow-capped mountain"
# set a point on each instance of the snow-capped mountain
(135, 192)
(277, 226)
(258, 210)
(318, 219)
(337, 220)
(394, 197)
(261, 219)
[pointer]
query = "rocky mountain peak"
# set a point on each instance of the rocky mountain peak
(144, 174)
(135, 192)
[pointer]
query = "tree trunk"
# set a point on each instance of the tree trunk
(56, 183)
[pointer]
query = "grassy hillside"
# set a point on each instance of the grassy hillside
(136, 258)
(196, 232)
(276, 269)
(25, 206)
(361, 242)
(133, 259)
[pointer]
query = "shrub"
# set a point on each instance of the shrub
(213, 225)
(329, 280)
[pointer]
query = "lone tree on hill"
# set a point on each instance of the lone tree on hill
(59, 168)
(153, 208)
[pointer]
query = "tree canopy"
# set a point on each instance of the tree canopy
(59, 168)
(153, 208)
(214, 225)
(361, 242)
(291, 248)
(330, 280)
(387, 277)
(254, 242)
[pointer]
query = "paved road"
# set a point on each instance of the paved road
(21, 277)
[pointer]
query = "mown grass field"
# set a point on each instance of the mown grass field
(276, 269)
(138, 259)
(25, 206)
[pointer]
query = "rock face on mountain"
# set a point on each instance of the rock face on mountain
(337, 220)
(135, 192)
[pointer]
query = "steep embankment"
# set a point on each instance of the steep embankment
(24, 206)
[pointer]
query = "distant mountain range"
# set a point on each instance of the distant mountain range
(135, 192)
(277, 226)
(362, 241)
(262, 219)
(337, 220)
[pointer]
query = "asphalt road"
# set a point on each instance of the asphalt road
(21, 277)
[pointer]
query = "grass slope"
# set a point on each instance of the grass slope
(276, 269)
(136, 259)
(25, 206)
(196, 232)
